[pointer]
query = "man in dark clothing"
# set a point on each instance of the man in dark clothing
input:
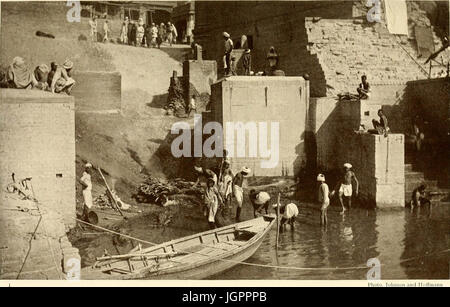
(418, 197)
(364, 88)
(132, 34)
(228, 48)
(247, 62)
(380, 127)
(51, 73)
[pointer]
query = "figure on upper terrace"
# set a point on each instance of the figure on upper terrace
(364, 88)
(228, 48)
(273, 60)
(247, 62)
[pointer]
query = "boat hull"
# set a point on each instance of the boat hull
(201, 269)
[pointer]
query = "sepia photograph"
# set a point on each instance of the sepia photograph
(226, 141)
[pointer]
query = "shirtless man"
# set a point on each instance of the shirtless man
(324, 199)
(345, 188)
(203, 174)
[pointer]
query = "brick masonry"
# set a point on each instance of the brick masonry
(329, 40)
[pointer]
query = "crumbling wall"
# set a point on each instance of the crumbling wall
(332, 41)
(97, 91)
(37, 140)
(276, 23)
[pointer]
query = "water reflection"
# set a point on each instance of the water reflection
(349, 241)
(427, 232)
(409, 244)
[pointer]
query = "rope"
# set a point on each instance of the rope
(412, 58)
(29, 247)
(114, 232)
(40, 214)
(58, 269)
(257, 264)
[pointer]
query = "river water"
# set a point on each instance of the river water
(409, 245)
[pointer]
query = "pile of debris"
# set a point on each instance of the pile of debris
(104, 200)
(167, 192)
(176, 99)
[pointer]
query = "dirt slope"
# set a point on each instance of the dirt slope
(21, 20)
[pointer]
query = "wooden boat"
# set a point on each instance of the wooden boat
(193, 257)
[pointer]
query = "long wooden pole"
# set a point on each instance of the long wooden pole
(278, 219)
(113, 200)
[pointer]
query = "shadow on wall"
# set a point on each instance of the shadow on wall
(174, 52)
(158, 101)
(329, 140)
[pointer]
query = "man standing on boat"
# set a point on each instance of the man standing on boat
(238, 190)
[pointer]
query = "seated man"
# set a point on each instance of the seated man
(19, 76)
(364, 88)
(61, 81)
(380, 127)
(260, 201)
(41, 76)
(418, 197)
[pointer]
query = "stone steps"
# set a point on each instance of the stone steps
(414, 178)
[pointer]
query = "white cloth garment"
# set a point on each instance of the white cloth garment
(346, 189)
(87, 192)
(396, 16)
(262, 198)
(290, 211)
(239, 194)
(226, 186)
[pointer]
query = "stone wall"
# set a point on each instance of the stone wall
(97, 91)
(200, 74)
(377, 161)
(275, 23)
(270, 100)
(37, 139)
(46, 255)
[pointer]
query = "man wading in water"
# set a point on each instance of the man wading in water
(238, 191)
(345, 188)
